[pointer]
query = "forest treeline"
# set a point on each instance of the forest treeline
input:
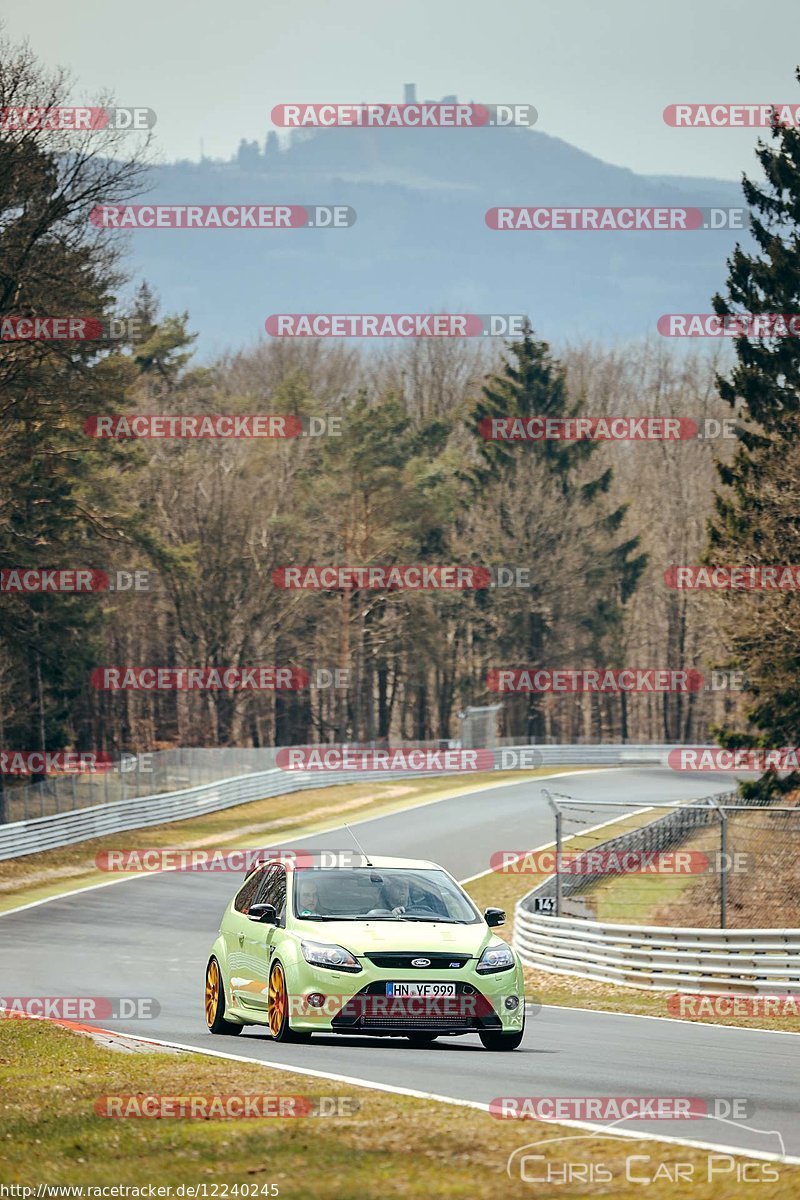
(405, 478)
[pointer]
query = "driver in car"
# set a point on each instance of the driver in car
(400, 899)
(308, 903)
(397, 894)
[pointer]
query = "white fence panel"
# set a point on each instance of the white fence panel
(744, 961)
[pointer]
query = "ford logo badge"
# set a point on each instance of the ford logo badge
(420, 962)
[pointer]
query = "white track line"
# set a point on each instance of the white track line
(548, 845)
(609, 1012)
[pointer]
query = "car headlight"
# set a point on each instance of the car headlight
(323, 954)
(495, 958)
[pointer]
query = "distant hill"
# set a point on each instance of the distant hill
(420, 242)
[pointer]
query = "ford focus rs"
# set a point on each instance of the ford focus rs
(391, 947)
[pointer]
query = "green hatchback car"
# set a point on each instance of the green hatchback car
(386, 947)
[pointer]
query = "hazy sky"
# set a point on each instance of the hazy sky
(599, 71)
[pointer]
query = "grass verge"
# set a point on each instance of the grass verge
(389, 1146)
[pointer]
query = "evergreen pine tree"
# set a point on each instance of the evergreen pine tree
(756, 518)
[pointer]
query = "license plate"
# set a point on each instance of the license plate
(420, 989)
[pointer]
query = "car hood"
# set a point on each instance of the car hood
(368, 937)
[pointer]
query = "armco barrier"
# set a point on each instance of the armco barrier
(659, 958)
(64, 829)
(743, 961)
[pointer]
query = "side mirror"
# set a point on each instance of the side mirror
(265, 914)
(494, 916)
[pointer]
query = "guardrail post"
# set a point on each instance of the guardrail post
(723, 863)
(557, 811)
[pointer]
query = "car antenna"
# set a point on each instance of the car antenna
(358, 843)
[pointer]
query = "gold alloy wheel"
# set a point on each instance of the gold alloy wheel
(212, 992)
(277, 1001)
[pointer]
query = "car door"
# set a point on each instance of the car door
(260, 940)
(244, 983)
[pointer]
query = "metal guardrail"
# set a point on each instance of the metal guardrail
(66, 828)
(743, 961)
(658, 958)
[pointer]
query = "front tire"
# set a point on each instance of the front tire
(492, 1040)
(278, 1008)
(215, 1002)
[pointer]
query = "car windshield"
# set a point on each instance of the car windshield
(380, 894)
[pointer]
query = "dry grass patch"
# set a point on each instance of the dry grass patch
(389, 1146)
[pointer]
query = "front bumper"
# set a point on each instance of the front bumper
(358, 1003)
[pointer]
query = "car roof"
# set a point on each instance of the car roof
(375, 861)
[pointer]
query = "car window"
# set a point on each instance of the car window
(380, 894)
(246, 895)
(273, 889)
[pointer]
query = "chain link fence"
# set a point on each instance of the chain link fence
(138, 775)
(719, 862)
(157, 772)
(130, 777)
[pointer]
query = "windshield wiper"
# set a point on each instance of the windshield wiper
(436, 920)
(398, 917)
(319, 917)
(428, 920)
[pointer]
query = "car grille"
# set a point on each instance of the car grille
(416, 1022)
(403, 961)
(372, 1009)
